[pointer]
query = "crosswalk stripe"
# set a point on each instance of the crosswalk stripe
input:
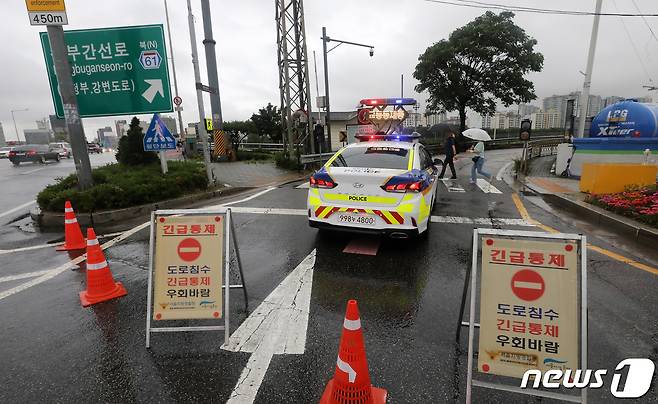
(452, 185)
(302, 186)
(486, 187)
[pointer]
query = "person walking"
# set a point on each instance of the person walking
(451, 155)
(478, 163)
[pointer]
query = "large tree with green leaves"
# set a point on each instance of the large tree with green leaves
(239, 130)
(131, 147)
(481, 64)
(268, 122)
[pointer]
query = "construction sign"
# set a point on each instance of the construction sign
(219, 143)
(187, 267)
(528, 306)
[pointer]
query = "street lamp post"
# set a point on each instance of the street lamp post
(13, 118)
(325, 41)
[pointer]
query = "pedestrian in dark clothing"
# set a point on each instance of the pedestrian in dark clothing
(451, 155)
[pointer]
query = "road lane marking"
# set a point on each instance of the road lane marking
(499, 174)
(617, 257)
(10, 278)
(256, 195)
(270, 211)
(363, 246)
(486, 187)
(50, 245)
(480, 220)
(17, 208)
(277, 326)
(33, 171)
(452, 185)
(303, 186)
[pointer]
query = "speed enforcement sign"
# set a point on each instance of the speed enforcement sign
(178, 100)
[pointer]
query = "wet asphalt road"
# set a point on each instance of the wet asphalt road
(409, 294)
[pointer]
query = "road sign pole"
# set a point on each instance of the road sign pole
(199, 96)
(173, 70)
(70, 103)
(163, 161)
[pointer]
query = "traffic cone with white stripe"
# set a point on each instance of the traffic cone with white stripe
(351, 382)
(100, 283)
(73, 239)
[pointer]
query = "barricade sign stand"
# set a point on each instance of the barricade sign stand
(532, 312)
(189, 267)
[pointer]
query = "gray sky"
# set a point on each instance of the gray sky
(400, 30)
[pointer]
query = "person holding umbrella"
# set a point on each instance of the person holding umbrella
(478, 160)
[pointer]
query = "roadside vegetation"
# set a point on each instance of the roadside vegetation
(640, 204)
(135, 180)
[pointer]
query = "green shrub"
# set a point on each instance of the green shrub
(120, 186)
(131, 147)
(282, 160)
(243, 155)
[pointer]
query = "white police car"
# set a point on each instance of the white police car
(384, 184)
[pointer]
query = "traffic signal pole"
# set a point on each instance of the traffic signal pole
(199, 96)
(181, 129)
(70, 104)
(211, 65)
(584, 95)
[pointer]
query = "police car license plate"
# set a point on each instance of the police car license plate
(356, 219)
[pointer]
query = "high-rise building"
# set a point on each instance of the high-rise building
(43, 124)
(120, 128)
(37, 136)
(501, 120)
(100, 136)
(170, 123)
(527, 109)
(546, 120)
(558, 103)
(613, 99)
(60, 131)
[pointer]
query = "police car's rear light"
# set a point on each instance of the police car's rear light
(321, 182)
(415, 186)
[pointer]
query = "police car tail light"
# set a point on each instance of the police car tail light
(322, 181)
(401, 187)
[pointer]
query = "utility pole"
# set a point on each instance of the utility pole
(13, 118)
(402, 86)
(70, 103)
(181, 129)
(327, 108)
(211, 65)
(199, 95)
(584, 95)
(317, 86)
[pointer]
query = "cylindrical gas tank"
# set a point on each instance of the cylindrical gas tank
(626, 119)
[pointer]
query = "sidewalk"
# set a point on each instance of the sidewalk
(565, 194)
(252, 174)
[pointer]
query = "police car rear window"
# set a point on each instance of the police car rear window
(373, 157)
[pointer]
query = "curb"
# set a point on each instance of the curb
(594, 214)
(109, 218)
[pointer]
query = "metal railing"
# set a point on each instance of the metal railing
(315, 158)
(499, 143)
(261, 146)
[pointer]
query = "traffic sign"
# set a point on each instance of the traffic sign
(51, 12)
(178, 101)
(528, 285)
(115, 71)
(189, 249)
(208, 124)
(158, 137)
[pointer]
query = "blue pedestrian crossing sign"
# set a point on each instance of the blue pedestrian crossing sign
(158, 137)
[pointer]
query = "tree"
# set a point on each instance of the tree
(238, 130)
(131, 147)
(268, 122)
(480, 64)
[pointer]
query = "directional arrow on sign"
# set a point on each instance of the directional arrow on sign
(155, 88)
(277, 326)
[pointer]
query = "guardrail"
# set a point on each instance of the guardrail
(261, 146)
(315, 158)
(537, 148)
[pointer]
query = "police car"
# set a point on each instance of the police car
(384, 184)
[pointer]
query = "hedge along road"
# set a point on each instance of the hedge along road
(20, 185)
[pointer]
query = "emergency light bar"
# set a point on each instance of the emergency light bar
(388, 101)
(392, 137)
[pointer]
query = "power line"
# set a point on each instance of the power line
(653, 34)
(630, 38)
(521, 9)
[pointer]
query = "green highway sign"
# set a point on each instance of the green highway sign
(115, 71)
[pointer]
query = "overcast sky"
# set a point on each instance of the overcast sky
(400, 30)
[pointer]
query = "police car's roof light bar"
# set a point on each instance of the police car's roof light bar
(388, 101)
(392, 137)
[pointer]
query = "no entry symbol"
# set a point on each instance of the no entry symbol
(189, 249)
(528, 285)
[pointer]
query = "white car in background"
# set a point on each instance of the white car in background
(4, 152)
(63, 148)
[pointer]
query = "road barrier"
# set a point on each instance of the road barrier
(351, 381)
(73, 239)
(538, 148)
(100, 283)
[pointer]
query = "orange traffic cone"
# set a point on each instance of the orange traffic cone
(100, 284)
(351, 382)
(73, 239)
